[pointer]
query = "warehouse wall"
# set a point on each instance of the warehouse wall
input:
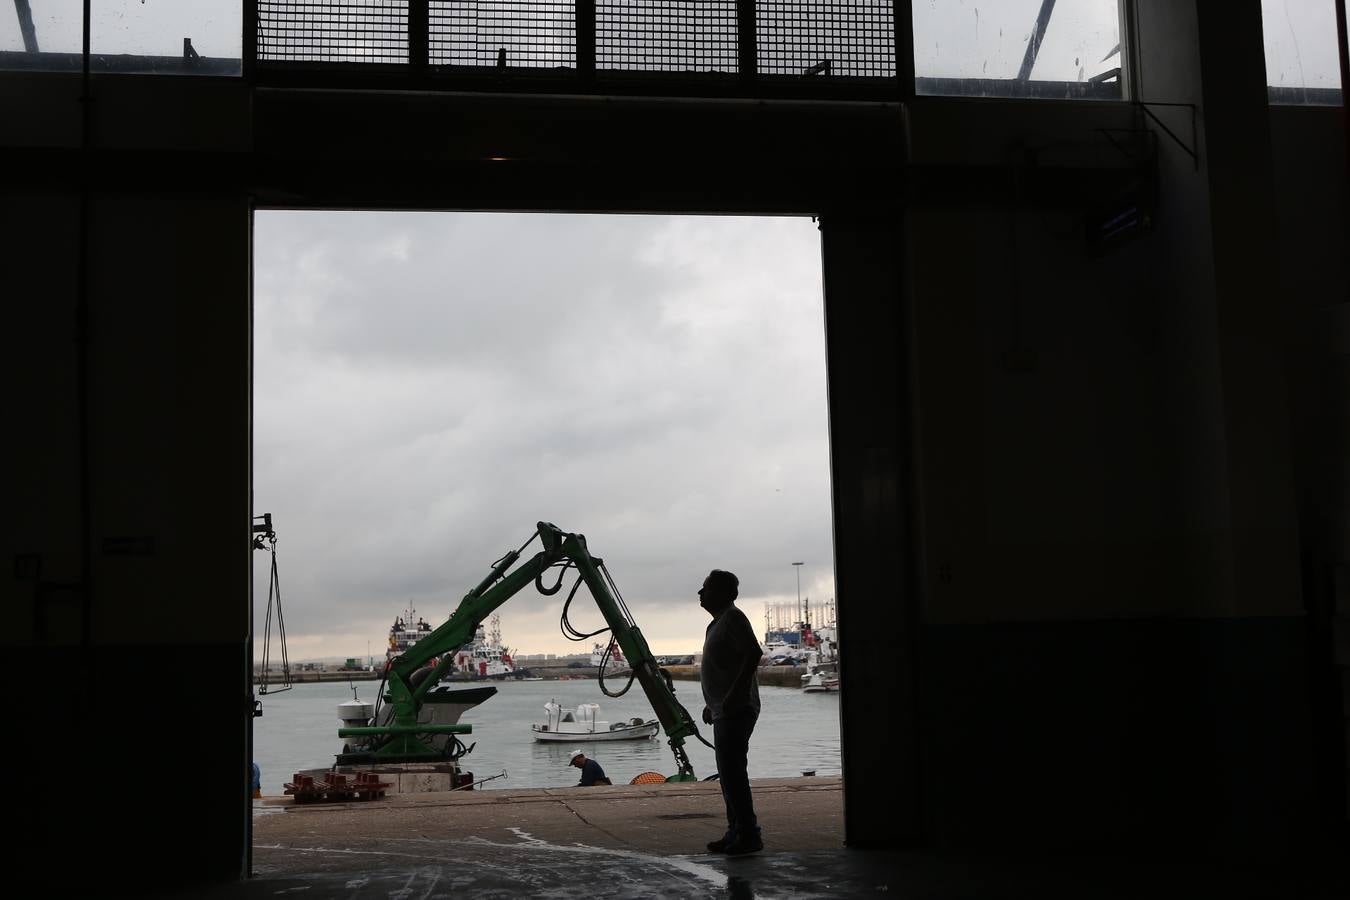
(1113, 650)
(1313, 214)
(129, 367)
(1084, 497)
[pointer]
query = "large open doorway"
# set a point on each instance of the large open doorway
(428, 386)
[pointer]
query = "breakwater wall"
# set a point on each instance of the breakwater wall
(548, 673)
(274, 678)
(780, 676)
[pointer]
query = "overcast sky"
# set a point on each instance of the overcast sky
(429, 386)
(988, 38)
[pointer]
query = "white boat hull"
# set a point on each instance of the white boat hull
(820, 683)
(622, 733)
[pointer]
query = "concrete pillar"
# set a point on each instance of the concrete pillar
(869, 451)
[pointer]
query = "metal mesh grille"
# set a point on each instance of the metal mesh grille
(825, 37)
(793, 37)
(529, 33)
(333, 30)
(666, 35)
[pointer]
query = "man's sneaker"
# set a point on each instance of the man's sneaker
(721, 844)
(750, 844)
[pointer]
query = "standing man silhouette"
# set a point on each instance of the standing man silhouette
(731, 655)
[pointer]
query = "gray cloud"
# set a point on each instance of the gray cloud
(429, 386)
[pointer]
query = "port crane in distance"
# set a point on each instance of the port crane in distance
(410, 676)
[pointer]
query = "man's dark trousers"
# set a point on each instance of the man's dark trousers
(731, 734)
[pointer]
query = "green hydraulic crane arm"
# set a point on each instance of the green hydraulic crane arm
(500, 585)
(655, 681)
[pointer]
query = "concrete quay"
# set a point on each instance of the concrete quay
(627, 842)
(618, 841)
(796, 813)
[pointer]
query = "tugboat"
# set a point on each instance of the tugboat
(484, 657)
(405, 633)
(610, 656)
(442, 705)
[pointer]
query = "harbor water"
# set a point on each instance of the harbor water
(796, 732)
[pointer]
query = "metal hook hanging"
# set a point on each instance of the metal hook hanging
(265, 538)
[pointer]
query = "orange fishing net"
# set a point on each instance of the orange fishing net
(649, 778)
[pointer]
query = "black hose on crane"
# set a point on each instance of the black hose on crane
(539, 579)
(604, 661)
(573, 634)
(569, 632)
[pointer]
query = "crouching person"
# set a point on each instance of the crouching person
(591, 773)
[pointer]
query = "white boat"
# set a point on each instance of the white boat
(610, 656)
(481, 659)
(484, 657)
(583, 724)
(795, 646)
(821, 679)
(790, 639)
(405, 633)
(822, 670)
(781, 653)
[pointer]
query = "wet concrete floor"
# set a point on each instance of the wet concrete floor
(649, 841)
(619, 841)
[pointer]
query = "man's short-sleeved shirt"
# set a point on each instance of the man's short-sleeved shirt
(590, 771)
(728, 647)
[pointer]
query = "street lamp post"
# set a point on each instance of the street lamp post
(798, 567)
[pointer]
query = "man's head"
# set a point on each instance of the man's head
(719, 590)
(578, 758)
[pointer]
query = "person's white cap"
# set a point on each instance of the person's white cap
(573, 758)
